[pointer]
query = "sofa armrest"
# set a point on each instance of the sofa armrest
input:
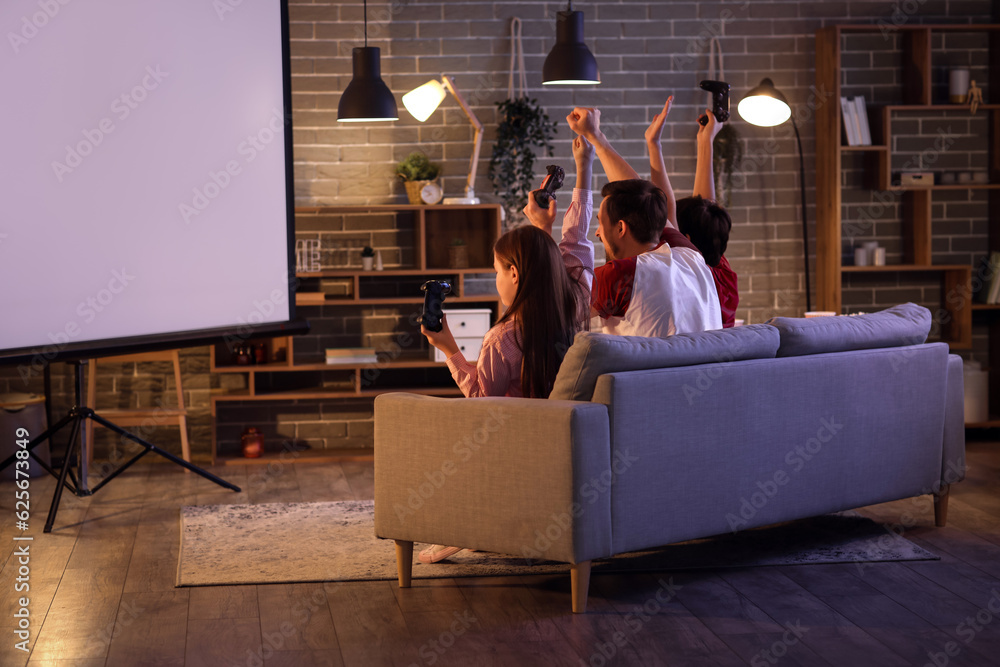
(953, 453)
(511, 475)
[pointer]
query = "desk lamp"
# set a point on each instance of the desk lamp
(421, 102)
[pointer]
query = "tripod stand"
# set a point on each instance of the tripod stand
(75, 419)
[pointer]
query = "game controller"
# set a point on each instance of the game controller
(434, 293)
(720, 100)
(553, 181)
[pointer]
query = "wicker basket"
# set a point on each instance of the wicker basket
(413, 189)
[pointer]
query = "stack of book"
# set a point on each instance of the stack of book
(990, 292)
(351, 355)
(855, 115)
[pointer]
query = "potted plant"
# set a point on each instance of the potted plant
(458, 254)
(727, 151)
(523, 124)
(416, 172)
(367, 258)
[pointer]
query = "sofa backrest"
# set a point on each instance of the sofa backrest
(594, 354)
(731, 446)
(906, 324)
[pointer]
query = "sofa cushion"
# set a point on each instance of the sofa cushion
(906, 324)
(594, 354)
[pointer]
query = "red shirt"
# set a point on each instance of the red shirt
(726, 281)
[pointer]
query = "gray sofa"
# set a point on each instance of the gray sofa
(646, 442)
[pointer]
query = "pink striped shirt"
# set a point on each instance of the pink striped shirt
(498, 369)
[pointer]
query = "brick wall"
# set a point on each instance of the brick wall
(646, 50)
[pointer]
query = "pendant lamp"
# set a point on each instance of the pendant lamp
(366, 97)
(570, 62)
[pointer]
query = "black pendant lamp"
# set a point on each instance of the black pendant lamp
(366, 97)
(570, 62)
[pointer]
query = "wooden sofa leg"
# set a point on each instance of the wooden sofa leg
(941, 506)
(579, 575)
(404, 562)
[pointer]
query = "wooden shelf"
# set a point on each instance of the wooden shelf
(987, 307)
(905, 267)
(864, 149)
(949, 186)
(918, 53)
(940, 107)
(992, 423)
(409, 361)
(424, 234)
(349, 273)
(299, 456)
(384, 301)
(922, 27)
(390, 208)
(320, 393)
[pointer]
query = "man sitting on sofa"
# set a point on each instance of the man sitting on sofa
(647, 287)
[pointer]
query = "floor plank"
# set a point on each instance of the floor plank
(102, 593)
(151, 629)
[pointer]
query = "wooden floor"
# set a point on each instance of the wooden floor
(102, 593)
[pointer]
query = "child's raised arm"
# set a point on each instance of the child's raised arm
(704, 176)
(658, 171)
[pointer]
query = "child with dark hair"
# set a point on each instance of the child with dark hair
(699, 218)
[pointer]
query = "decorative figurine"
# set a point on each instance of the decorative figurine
(975, 96)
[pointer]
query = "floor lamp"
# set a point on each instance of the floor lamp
(765, 106)
(421, 102)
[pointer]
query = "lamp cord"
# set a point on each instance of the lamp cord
(366, 24)
(805, 227)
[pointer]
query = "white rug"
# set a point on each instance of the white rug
(335, 541)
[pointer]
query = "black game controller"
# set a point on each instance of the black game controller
(720, 100)
(434, 293)
(553, 181)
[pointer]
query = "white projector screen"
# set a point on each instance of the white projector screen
(145, 172)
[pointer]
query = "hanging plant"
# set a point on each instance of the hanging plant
(727, 152)
(523, 125)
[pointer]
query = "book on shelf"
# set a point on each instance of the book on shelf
(848, 111)
(865, 135)
(310, 298)
(351, 355)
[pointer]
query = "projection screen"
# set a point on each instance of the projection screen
(146, 173)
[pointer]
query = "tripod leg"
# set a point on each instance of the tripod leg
(70, 452)
(49, 432)
(149, 447)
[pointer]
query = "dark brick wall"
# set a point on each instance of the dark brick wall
(646, 50)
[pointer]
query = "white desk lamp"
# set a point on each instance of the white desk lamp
(421, 103)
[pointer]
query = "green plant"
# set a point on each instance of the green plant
(523, 124)
(457, 241)
(727, 151)
(367, 251)
(417, 167)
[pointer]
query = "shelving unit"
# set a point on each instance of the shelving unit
(291, 375)
(919, 91)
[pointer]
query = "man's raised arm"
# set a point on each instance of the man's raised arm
(586, 122)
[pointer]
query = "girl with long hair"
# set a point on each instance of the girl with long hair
(546, 290)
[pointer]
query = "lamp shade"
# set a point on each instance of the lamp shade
(423, 101)
(366, 98)
(570, 61)
(764, 106)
